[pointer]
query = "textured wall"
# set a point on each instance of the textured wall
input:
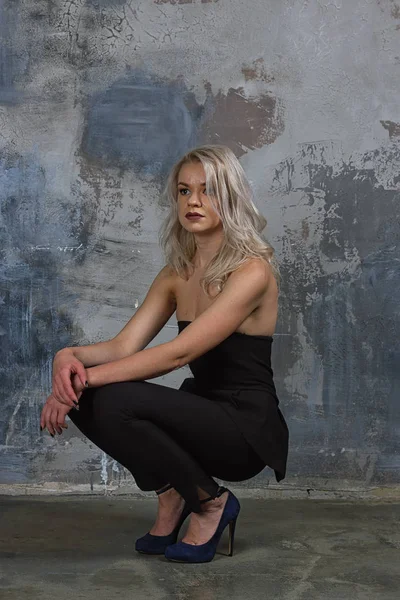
(97, 99)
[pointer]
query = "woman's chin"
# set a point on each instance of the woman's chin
(195, 225)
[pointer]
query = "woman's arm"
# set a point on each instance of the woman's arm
(146, 364)
(96, 354)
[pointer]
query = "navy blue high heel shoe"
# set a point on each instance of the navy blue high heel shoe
(157, 544)
(182, 552)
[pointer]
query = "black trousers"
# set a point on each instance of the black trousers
(165, 435)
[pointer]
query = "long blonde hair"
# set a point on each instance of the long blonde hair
(242, 222)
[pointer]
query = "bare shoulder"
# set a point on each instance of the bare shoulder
(256, 278)
(165, 283)
(166, 276)
(255, 270)
(167, 272)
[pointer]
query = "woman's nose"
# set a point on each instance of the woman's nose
(194, 199)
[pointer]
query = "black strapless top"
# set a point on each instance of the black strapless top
(238, 373)
(239, 361)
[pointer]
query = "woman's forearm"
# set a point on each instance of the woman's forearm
(97, 354)
(145, 364)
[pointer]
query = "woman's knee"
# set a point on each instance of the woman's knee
(114, 401)
(106, 402)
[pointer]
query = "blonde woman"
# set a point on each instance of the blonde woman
(220, 278)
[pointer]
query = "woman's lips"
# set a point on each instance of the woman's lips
(194, 217)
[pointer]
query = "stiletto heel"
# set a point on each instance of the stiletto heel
(232, 526)
(157, 544)
(183, 552)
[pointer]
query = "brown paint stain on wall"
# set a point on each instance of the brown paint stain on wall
(257, 71)
(242, 123)
(393, 128)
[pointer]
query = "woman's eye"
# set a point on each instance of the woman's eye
(183, 190)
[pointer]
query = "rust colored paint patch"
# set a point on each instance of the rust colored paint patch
(257, 71)
(393, 128)
(242, 123)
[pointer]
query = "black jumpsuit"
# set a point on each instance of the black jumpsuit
(224, 422)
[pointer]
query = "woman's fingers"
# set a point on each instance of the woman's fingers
(53, 420)
(77, 385)
(81, 371)
(44, 416)
(61, 418)
(66, 394)
(53, 416)
(49, 420)
(58, 418)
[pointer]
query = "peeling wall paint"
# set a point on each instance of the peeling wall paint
(98, 98)
(343, 385)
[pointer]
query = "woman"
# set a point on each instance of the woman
(220, 279)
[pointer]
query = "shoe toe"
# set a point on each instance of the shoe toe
(151, 544)
(175, 552)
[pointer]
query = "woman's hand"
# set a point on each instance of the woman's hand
(65, 368)
(54, 412)
(53, 416)
(77, 385)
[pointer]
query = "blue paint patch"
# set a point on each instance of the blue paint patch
(141, 123)
(11, 63)
(35, 306)
(352, 322)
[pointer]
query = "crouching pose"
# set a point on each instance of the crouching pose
(220, 278)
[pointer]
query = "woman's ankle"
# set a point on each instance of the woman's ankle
(205, 498)
(214, 504)
(170, 497)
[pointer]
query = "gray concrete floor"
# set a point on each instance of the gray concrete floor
(83, 547)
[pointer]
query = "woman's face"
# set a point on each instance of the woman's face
(192, 198)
